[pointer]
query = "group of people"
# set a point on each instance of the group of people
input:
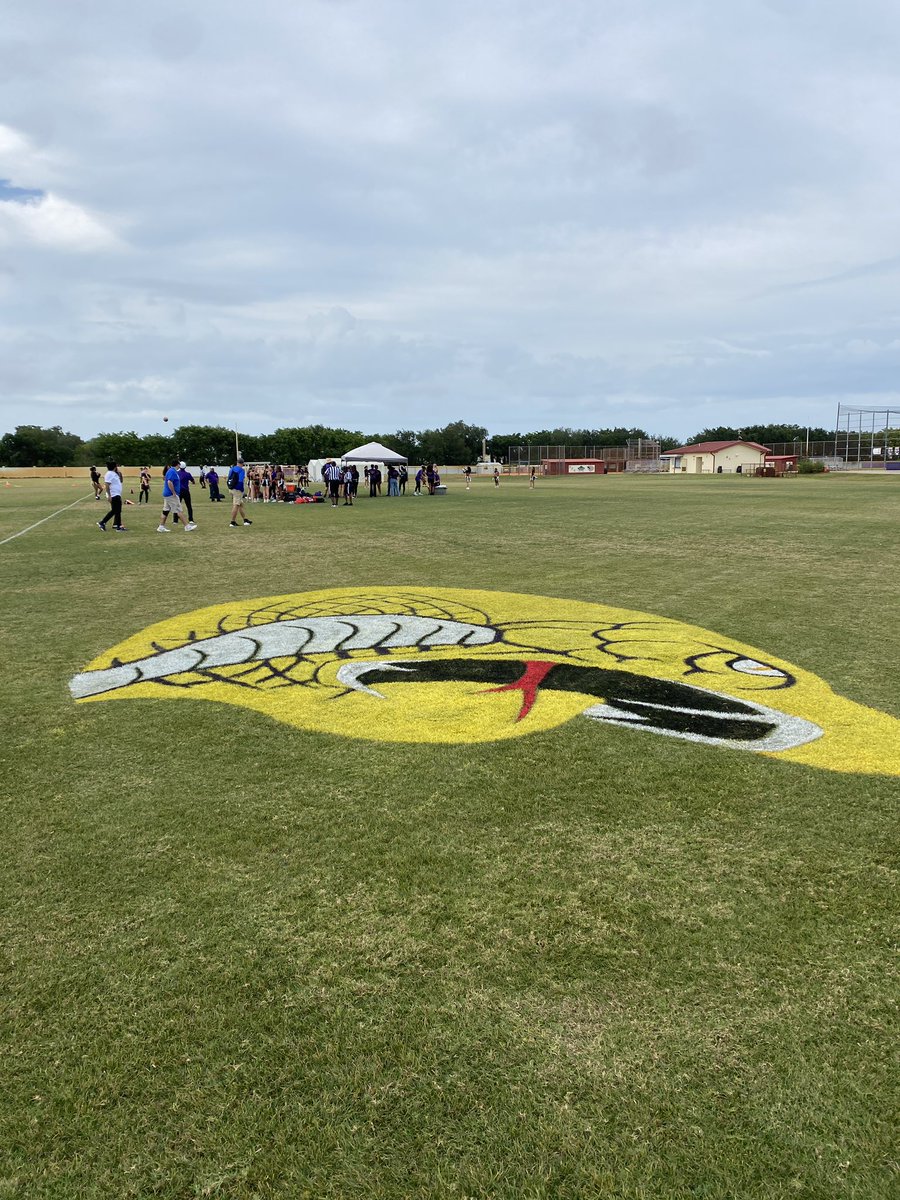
(270, 484)
(267, 484)
(342, 479)
(176, 495)
(208, 479)
(397, 479)
(467, 472)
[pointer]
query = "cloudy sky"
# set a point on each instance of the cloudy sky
(391, 214)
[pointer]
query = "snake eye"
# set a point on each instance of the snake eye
(722, 662)
(750, 666)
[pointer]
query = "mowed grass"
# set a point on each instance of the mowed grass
(241, 960)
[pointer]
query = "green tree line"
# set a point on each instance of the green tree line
(620, 436)
(455, 443)
(764, 434)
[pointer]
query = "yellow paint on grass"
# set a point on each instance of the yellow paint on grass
(371, 634)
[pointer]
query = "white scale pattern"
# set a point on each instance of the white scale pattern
(284, 639)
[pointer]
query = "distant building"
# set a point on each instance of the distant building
(708, 458)
(576, 466)
(781, 464)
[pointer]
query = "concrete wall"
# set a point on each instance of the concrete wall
(729, 460)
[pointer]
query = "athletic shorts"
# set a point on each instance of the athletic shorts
(171, 504)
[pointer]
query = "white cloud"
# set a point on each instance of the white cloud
(55, 223)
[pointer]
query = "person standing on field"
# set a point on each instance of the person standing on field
(172, 500)
(113, 482)
(185, 479)
(144, 494)
(347, 478)
(496, 476)
(332, 474)
(95, 484)
(236, 477)
(468, 474)
(531, 482)
(212, 478)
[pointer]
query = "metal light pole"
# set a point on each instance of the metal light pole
(237, 449)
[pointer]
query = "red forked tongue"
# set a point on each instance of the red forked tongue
(528, 683)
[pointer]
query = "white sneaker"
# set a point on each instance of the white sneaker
(190, 525)
(163, 529)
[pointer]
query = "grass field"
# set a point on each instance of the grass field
(243, 959)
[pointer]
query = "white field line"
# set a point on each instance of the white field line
(43, 519)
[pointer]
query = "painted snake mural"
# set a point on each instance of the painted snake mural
(455, 666)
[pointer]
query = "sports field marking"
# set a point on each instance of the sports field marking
(43, 519)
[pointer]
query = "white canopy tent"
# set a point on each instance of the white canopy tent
(373, 452)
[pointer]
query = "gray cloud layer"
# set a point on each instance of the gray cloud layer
(386, 215)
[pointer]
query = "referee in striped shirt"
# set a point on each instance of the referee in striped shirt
(332, 475)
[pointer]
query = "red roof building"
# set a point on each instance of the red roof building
(713, 448)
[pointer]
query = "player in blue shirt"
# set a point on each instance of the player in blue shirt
(172, 499)
(185, 479)
(236, 477)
